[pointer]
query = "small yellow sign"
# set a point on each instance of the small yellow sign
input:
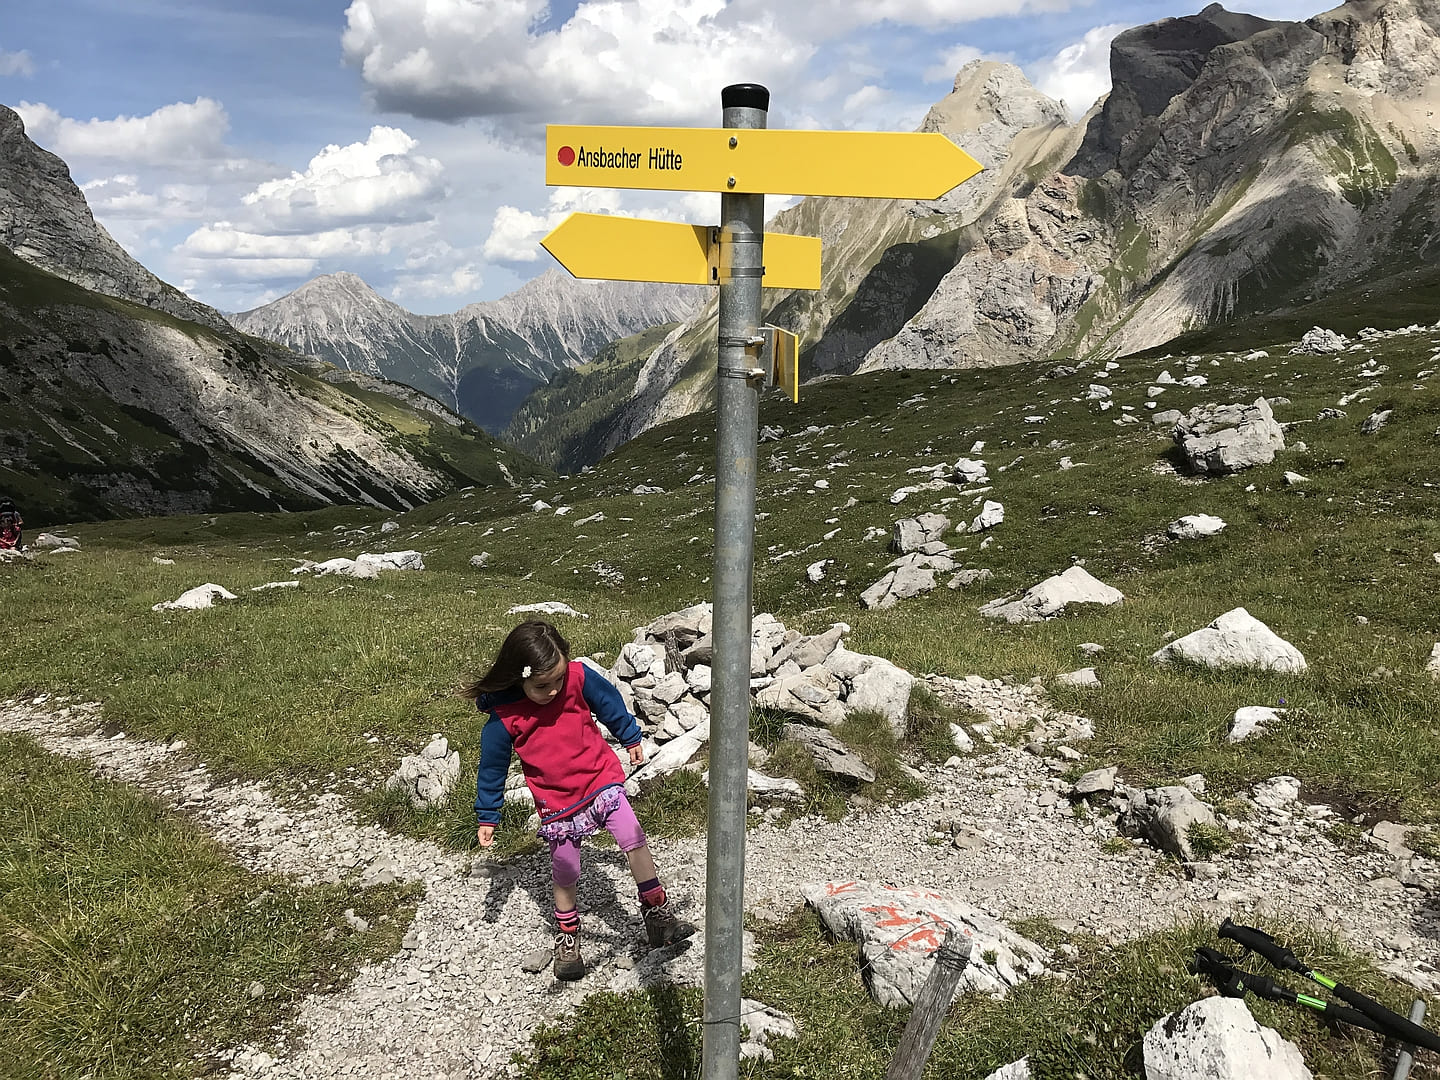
(634, 249)
(780, 359)
(868, 164)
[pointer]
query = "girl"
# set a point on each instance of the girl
(540, 707)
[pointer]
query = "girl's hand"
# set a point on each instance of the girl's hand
(637, 754)
(486, 835)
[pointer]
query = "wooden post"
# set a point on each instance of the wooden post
(930, 1008)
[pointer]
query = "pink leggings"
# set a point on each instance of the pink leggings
(615, 815)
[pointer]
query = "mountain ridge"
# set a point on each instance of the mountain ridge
(481, 360)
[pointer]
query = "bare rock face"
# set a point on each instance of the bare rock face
(1150, 66)
(45, 220)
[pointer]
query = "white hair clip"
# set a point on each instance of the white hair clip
(526, 673)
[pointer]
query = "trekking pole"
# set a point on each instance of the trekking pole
(1275, 954)
(1232, 982)
(1407, 1057)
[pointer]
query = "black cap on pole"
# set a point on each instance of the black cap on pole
(745, 96)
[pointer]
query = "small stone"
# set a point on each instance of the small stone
(257, 990)
(536, 961)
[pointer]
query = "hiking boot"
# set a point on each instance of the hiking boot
(663, 926)
(569, 964)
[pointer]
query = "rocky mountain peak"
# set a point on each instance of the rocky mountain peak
(1150, 66)
(45, 220)
(991, 92)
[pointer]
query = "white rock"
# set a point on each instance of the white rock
(1433, 664)
(202, 596)
(392, 560)
(1293, 478)
(885, 688)
(390, 526)
(899, 931)
(971, 471)
(1252, 720)
(816, 570)
(547, 607)
(275, 585)
(1216, 1038)
(1052, 596)
(1097, 392)
(1235, 639)
(1194, 526)
(991, 514)
(1016, 1070)
(1277, 793)
(1085, 677)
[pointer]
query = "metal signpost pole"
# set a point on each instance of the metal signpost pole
(742, 225)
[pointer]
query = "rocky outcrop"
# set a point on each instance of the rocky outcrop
(45, 220)
(1053, 596)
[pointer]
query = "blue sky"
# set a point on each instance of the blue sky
(239, 149)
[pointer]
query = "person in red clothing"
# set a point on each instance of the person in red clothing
(543, 708)
(10, 525)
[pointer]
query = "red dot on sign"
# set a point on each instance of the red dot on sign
(566, 156)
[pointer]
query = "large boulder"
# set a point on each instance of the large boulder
(1164, 816)
(900, 930)
(1220, 439)
(1216, 1038)
(1052, 596)
(912, 534)
(1235, 639)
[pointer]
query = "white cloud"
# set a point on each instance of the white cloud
(1080, 73)
(16, 63)
(225, 240)
(379, 180)
(181, 133)
(632, 60)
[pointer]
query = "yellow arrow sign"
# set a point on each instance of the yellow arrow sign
(631, 249)
(870, 164)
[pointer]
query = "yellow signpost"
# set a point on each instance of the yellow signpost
(866, 164)
(634, 249)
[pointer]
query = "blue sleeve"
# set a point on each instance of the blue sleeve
(609, 708)
(490, 775)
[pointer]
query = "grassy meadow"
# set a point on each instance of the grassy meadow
(328, 685)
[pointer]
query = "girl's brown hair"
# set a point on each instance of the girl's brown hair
(536, 645)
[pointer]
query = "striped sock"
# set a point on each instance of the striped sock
(568, 921)
(652, 893)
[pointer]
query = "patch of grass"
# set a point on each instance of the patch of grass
(928, 725)
(1118, 845)
(1424, 842)
(133, 944)
(1207, 840)
(1347, 837)
(676, 805)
